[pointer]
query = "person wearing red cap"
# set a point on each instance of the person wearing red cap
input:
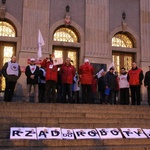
(51, 79)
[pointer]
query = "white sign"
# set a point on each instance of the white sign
(109, 133)
(57, 61)
(133, 133)
(86, 134)
(48, 133)
(67, 134)
(23, 133)
(147, 132)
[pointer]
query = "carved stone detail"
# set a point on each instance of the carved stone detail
(2, 12)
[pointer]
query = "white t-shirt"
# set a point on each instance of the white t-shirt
(123, 82)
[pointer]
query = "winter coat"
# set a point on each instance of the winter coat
(135, 77)
(51, 70)
(110, 81)
(28, 73)
(67, 73)
(147, 79)
(86, 71)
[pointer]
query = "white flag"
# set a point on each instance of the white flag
(99, 74)
(111, 65)
(40, 44)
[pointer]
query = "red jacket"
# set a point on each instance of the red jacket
(94, 85)
(86, 71)
(134, 76)
(67, 73)
(51, 70)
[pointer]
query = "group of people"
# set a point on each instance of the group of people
(61, 84)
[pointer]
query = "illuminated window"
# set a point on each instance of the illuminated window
(73, 57)
(7, 29)
(65, 35)
(122, 40)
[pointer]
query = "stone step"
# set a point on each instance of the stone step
(73, 116)
(115, 143)
(72, 120)
(30, 107)
(100, 114)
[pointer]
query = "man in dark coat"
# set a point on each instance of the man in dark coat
(147, 84)
(32, 72)
(111, 83)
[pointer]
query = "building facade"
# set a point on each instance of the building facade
(104, 31)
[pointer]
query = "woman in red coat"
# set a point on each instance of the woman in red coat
(86, 72)
(67, 73)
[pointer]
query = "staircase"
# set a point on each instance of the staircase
(19, 114)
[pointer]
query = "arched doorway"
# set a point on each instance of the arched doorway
(69, 36)
(7, 49)
(123, 53)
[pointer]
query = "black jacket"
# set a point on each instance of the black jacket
(110, 81)
(28, 73)
(147, 79)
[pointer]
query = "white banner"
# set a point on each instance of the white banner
(48, 133)
(70, 134)
(147, 132)
(67, 134)
(109, 133)
(57, 61)
(133, 133)
(86, 134)
(23, 133)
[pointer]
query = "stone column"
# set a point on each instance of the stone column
(145, 39)
(35, 17)
(97, 28)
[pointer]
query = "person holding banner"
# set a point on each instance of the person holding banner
(32, 72)
(51, 79)
(11, 71)
(67, 72)
(86, 72)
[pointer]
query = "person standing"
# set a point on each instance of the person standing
(135, 77)
(67, 73)
(111, 83)
(41, 83)
(101, 88)
(51, 79)
(11, 71)
(95, 90)
(76, 88)
(147, 84)
(32, 72)
(86, 72)
(123, 87)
